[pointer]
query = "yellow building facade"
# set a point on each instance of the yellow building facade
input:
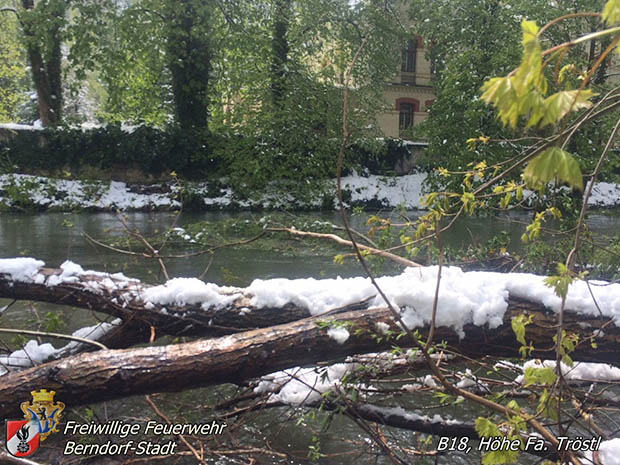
(409, 95)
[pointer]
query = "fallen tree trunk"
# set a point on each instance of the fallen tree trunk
(105, 375)
(124, 298)
(121, 298)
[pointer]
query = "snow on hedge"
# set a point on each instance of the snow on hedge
(64, 194)
(378, 191)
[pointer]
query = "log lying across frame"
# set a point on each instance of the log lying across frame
(104, 375)
(241, 315)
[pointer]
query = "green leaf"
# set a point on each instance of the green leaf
(561, 281)
(500, 456)
(518, 324)
(558, 105)
(501, 93)
(506, 200)
(611, 12)
(535, 375)
(546, 405)
(530, 72)
(551, 163)
(485, 427)
(533, 104)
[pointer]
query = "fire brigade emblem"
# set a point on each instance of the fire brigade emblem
(41, 417)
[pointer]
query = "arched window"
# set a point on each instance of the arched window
(408, 57)
(406, 107)
(405, 116)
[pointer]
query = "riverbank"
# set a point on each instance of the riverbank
(19, 192)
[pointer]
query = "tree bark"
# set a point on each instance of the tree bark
(193, 320)
(411, 421)
(280, 49)
(45, 67)
(105, 375)
(189, 61)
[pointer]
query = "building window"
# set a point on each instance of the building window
(408, 58)
(406, 108)
(405, 116)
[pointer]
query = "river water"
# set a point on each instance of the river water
(56, 237)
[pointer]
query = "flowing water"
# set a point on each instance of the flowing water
(55, 238)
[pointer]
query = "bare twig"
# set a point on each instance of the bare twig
(181, 437)
(340, 240)
(56, 335)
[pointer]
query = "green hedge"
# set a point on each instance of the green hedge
(193, 156)
(152, 150)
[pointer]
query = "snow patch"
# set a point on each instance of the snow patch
(388, 191)
(23, 269)
(339, 334)
(187, 291)
(580, 371)
(609, 452)
(299, 386)
(34, 354)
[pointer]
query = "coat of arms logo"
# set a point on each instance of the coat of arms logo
(42, 416)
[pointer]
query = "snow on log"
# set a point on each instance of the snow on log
(188, 306)
(104, 375)
(182, 306)
(470, 303)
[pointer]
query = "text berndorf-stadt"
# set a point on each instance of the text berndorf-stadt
(122, 430)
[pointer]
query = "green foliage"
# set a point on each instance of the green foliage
(486, 428)
(518, 324)
(145, 148)
(557, 106)
(553, 163)
(471, 41)
(546, 405)
(293, 138)
(314, 449)
(532, 230)
(475, 40)
(12, 69)
(566, 345)
(611, 12)
(544, 376)
(53, 323)
(125, 48)
(600, 253)
(561, 281)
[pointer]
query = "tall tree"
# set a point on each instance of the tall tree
(12, 68)
(187, 29)
(280, 50)
(154, 57)
(43, 24)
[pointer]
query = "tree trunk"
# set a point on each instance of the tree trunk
(411, 421)
(280, 49)
(189, 61)
(122, 298)
(104, 375)
(45, 67)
